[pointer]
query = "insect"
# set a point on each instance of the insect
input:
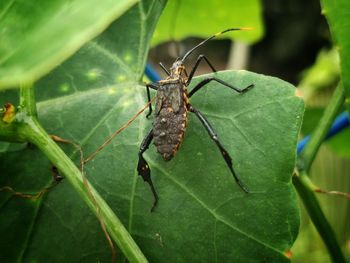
(171, 112)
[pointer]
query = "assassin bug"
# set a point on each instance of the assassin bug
(172, 106)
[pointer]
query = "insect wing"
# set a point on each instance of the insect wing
(159, 100)
(175, 97)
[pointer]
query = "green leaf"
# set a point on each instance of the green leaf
(201, 208)
(182, 19)
(202, 215)
(337, 14)
(324, 73)
(36, 36)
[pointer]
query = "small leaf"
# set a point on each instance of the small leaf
(38, 35)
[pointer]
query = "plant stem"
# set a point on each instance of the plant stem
(37, 135)
(303, 183)
(26, 128)
(27, 100)
(305, 190)
(309, 153)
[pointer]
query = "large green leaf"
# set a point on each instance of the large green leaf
(337, 13)
(38, 35)
(202, 18)
(201, 209)
(203, 216)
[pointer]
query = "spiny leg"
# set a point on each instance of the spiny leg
(199, 59)
(143, 167)
(224, 153)
(148, 86)
(206, 81)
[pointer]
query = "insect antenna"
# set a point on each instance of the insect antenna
(125, 125)
(206, 40)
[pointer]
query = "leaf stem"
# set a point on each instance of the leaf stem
(303, 184)
(37, 135)
(26, 128)
(27, 100)
(305, 190)
(309, 153)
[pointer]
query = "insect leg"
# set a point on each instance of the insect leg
(199, 59)
(224, 153)
(206, 81)
(143, 167)
(148, 86)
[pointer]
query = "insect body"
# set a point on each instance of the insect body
(171, 116)
(172, 106)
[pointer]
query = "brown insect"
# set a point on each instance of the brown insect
(172, 106)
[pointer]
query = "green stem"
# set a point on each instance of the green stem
(117, 231)
(309, 153)
(26, 128)
(27, 100)
(305, 187)
(305, 190)
(37, 135)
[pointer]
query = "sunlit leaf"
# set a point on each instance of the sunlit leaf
(36, 36)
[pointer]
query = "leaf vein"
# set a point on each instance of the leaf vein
(6, 9)
(211, 211)
(112, 57)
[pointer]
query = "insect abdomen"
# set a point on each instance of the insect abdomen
(169, 129)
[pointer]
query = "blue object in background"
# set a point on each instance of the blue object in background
(151, 73)
(340, 123)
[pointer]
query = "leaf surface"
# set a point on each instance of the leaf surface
(38, 35)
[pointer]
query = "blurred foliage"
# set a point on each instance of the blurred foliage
(316, 84)
(339, 144)
(329, 171)
(337, 13)
(298, 45)
(203, 18)
(324, 73)
(36, 36)
(295, 32)
(308, 247)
